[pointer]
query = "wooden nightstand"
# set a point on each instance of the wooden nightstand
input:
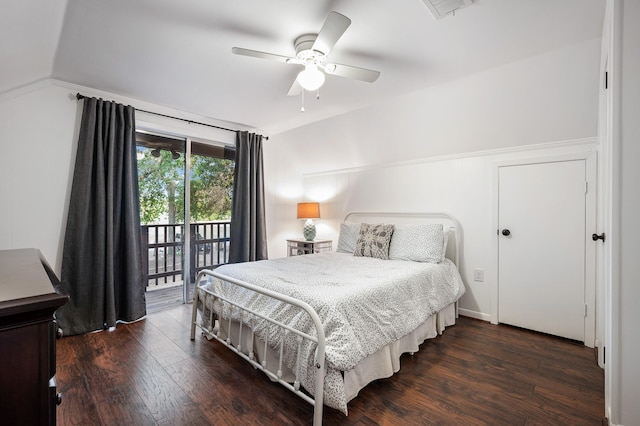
(297, 246)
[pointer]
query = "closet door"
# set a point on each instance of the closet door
(541, 247)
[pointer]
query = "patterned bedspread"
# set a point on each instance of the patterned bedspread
(363, 303)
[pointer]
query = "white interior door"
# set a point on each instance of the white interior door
(541, 260)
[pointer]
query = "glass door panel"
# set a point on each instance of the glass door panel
(161, 183)
(211, 186)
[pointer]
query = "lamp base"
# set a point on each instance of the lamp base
(309, 230)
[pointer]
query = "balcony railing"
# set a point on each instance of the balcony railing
(165, 250)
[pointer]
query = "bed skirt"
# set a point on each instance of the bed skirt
(386, 362)
(382, 364)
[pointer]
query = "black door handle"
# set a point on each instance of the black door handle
(596, 237)
(506, 232)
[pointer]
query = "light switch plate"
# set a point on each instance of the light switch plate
(478, 275)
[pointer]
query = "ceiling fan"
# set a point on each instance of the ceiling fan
(312, 51)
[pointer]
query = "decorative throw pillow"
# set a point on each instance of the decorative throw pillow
(373, 241)
(417, 243)
(348, 237)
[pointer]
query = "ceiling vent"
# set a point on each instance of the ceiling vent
(441, 8)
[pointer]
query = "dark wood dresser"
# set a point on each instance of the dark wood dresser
(29, 295)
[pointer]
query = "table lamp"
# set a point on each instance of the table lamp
(309, 211)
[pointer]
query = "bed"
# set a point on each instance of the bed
(345, 316)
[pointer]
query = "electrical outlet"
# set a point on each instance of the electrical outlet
(478, 275)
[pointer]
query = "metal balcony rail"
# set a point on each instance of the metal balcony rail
(164, 250)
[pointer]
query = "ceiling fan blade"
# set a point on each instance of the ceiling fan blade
(349, 71)
(334, 26)
(295, 88)
(262, 55)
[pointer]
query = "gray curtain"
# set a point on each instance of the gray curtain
(248, 228)
(102, 260)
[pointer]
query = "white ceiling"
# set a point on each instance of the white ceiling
(178, 53)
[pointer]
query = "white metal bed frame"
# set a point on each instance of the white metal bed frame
(319, 339)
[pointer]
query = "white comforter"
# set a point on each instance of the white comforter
(363, 303)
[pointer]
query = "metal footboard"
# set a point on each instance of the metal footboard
(244, 312)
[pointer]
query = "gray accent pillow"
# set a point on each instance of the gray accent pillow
(348, 237)
(417, 242)
(373, 241)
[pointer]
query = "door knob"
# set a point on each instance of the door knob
(506, 232)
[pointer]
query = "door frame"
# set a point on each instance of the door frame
(590, 158)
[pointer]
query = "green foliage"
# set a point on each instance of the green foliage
(161, 186)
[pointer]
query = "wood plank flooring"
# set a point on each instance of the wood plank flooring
(150, 373)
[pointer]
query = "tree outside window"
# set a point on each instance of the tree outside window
(161, 187)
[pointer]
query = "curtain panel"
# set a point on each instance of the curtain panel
(248, 227)
(102, 268)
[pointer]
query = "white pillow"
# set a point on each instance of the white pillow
(417, 242)
(348, 236)
(445, 236)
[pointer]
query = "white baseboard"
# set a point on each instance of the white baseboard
(474, 314)
(609, 417)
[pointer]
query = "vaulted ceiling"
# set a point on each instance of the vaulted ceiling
(178, 53)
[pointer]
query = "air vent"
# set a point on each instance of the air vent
(441, 8)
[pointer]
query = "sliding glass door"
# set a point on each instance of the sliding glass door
(185, 208)
(161, 185)
(211, 187)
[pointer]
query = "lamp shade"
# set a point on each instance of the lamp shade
(308, 210)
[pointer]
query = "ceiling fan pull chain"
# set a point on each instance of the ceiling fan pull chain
(302, 101)
(318, 94)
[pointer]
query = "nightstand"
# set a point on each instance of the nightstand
(297, 246)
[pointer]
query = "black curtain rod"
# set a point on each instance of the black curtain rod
(80, 96)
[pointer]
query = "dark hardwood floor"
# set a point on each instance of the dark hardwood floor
(150, 373)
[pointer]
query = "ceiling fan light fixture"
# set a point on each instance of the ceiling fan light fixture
(311, 78)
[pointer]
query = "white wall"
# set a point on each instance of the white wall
(461, 185)
(434, 150)
(39, 125)
(37, 128)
